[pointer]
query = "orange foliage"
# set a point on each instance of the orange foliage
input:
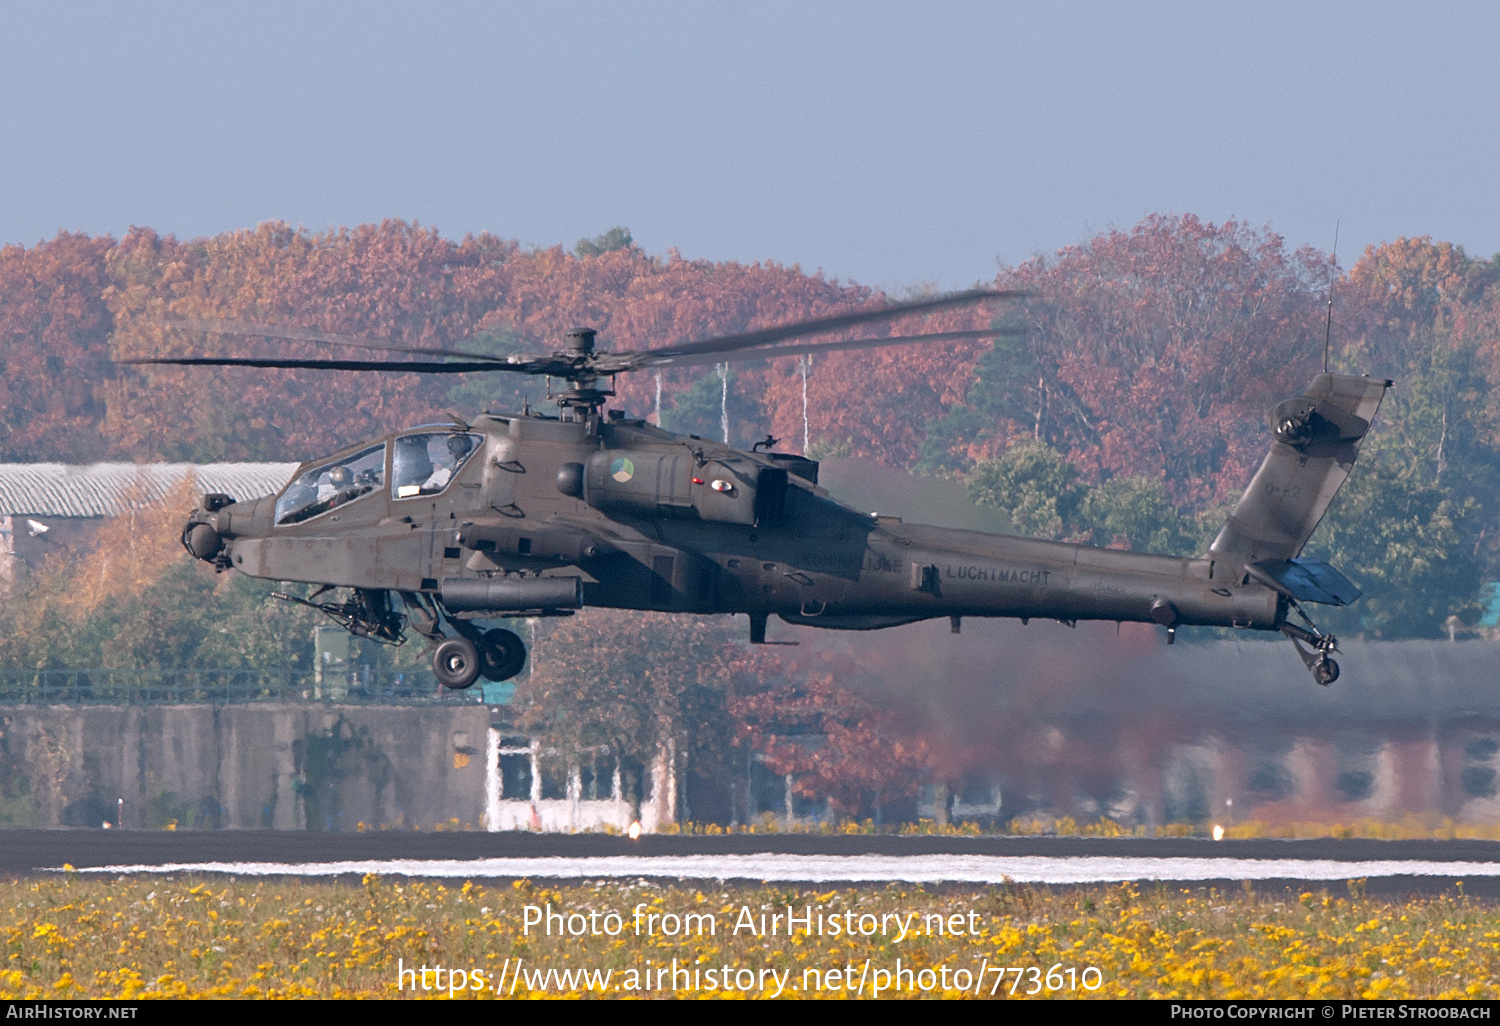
(405, 284)
(1162, 346)
(53, 345)
(1400, 293)
(1156, 349)
(130, 553)
(389, 281)
(836, 743)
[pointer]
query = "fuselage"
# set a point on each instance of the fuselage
(656, 521)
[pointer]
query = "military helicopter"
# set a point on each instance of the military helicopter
(534, 515)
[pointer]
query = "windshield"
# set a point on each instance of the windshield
(424, 464)
(333, 484)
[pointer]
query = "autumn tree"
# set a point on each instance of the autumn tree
(135, 600)
(633, 682)
(640, 684)
(54, 330)
(1148, 358)
(1401, 300)
(1156, 351)
(834, 743)
(394, 282)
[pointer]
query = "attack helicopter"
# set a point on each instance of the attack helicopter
(435, 528)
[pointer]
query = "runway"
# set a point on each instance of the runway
(1388, 866)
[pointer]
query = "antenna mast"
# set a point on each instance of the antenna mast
(1328, 327)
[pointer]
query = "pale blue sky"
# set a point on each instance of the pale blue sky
(886, 143)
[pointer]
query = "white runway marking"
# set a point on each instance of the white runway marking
(979, 869)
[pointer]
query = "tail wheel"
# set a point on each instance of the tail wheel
(502, 654)
(455, 663)
(1326, 672)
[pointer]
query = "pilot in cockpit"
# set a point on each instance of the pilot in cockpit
(335, 482)
(458, 448)
(410, 467)
(424, 467)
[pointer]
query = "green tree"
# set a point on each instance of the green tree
(136, 601)
(1408, 525)
(615, 238)
(1009, 388)
(1040, 490)
(1135, 510)
(184, 618)
(1036, 487)
(496, 392)
(1405, 542)
(699, 411)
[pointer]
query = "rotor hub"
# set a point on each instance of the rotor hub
(580, 341)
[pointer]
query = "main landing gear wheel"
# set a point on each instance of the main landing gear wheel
(502, 654)
(1318, 657)
(455, 663)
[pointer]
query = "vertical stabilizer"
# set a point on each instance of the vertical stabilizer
(1317, 438)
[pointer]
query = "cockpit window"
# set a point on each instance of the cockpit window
(425, 463)
(333, 484)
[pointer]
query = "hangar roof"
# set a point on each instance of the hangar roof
(108, 489)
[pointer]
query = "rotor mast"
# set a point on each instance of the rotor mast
(582, 399)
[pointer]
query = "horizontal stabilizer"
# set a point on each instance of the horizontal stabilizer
(1306, 580)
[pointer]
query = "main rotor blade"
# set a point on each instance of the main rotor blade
(224, 327)
(599, 363)
(407, 366)
(770, 352)
(767, 336)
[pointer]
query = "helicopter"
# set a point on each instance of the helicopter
(437, 527)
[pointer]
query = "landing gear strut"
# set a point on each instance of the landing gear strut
(458, 662)
(1319, 656)
(367, 615)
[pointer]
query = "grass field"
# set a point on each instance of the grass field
(1409, 828)
(73, 936)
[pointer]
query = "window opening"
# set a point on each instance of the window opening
(332, 485)
(425, 464)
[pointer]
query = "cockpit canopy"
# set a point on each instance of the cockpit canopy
(422, 463)
(331, 485)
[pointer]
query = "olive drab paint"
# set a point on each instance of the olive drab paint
(534, 515)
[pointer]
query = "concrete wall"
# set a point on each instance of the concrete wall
(1194, 732)
(287, 767)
